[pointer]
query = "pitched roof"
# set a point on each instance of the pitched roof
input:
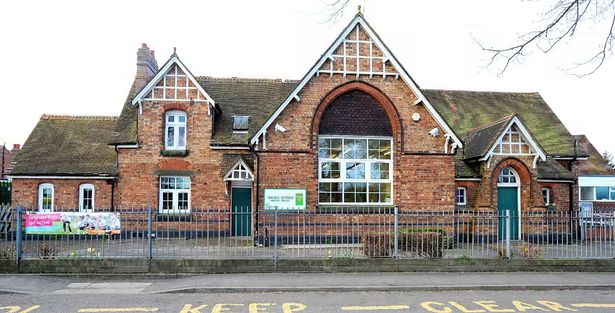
(479, 140)
(595, 163)
(230, 159)
(551, 169)
(125, 131)
(257, 98)
(68, 146)
(467, 110)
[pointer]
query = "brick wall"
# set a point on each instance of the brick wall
(66, 193)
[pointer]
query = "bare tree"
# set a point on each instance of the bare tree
(562, 21)
(608, 157)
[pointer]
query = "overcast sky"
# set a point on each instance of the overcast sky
(78, 57)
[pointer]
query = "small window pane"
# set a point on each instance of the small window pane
(380, 171)
(355, 170)
(170, 136)
(602, 193)
(545, 195)
(170, 118)
(182, 137)
(587, 193)
(612, 193)
(330, 170)
(240, 123)
(355, 148)
(182, 118)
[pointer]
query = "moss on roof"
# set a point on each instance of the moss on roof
(125, 131)
(68, 145)
(551, 169)
(595, 163)
(464, 111)
(479, 140)
(256, 98)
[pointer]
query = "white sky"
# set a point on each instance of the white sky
(78, 57)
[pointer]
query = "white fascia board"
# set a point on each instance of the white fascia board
(526, 135)
(600, 181)
(556, 181)
(135, 146)
(174, 60)
(404, 75)
(60, 177)
(226, 175)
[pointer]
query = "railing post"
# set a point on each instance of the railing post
(149, 233)
(396, 228)
(508, 234)
(18, 235)
(275, 236)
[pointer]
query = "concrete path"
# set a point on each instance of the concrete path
(303, 282)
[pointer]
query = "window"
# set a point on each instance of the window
(175, 130)
(507, 176)
(86, 197)
(355, 170)
(602, 193)
(587, 194)
(598, 193)
(512, 143)
(460, 196)
(546, 195)
(174, 194)
(45, 198)
(239, 172)
(240, 123)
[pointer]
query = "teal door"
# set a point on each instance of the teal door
(241, 219)
(508, 200)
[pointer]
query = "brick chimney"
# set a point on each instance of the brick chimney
(146, 66)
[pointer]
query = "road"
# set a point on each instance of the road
(322, 302)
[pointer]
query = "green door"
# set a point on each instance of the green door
(508, 200)
(241, 218)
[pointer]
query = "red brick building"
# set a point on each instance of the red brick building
(356, 131)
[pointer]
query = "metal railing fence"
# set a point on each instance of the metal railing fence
(343, 233)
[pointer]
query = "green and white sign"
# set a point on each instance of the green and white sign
(285, 199)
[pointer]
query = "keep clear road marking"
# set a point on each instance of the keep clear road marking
(593, 305)
(101, 310)
(375, 308)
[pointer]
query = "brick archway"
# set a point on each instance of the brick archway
(525, 181)
(379, 96)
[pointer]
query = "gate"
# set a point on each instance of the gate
(5, 192)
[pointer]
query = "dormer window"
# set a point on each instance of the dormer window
(240, 123)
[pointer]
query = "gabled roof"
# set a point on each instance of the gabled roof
(467, 110)
(595, 163)
(256, 98)
(173, 60)
(484, 140)
(480, 140)
(360, 20)
(229, 160)
(68, 146)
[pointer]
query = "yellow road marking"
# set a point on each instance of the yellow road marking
(593, 305)
(375, 308)
(100, 310)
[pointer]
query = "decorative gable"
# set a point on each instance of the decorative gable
(358, 54)
(513, 143)
(359, 51)
(239, 171)
(173, 82)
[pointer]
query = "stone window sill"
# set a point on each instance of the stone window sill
(174, 153)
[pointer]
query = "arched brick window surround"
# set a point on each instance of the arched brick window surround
(525, 180)
(378, 95)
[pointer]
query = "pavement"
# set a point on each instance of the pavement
(305, 282)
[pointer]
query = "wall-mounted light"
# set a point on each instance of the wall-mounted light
(416, 117)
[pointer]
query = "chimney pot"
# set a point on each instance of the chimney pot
(16, 146)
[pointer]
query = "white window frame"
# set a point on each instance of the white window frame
(548, 195)
(41, 187)
(595, 198)
(239, 172)
(241, 130)
(367, 161)
(513, 173)
(465, 195)
(176, 125)
(175, 193)
(82, 188)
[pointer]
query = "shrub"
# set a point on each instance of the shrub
(422, 243)
(378, 244)
(48, 250)
(7, 250)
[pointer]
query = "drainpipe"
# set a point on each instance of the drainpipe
(113, 182)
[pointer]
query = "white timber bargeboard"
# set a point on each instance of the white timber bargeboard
(359, 20)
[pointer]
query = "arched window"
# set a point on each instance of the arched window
(355, 152)
(175, 130)
(86, 197)
(508, 176)
(45, 198)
